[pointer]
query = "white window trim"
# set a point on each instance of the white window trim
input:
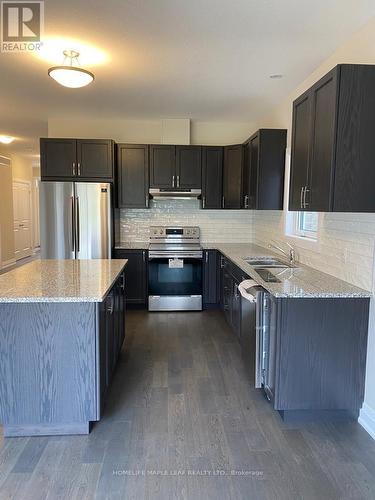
(297, 231)
(301, 241)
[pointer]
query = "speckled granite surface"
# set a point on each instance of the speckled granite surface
(60, 281)
(302, 282)
(143, 245)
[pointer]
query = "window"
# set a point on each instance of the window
(306, 224)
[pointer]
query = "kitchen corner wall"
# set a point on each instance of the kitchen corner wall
(6, 212)
(346, 242)
(216, 225)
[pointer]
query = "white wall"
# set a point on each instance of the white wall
(346, 242)
(149, 131)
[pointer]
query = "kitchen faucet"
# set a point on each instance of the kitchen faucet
(291, 254)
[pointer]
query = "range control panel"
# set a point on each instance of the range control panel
(174, 232)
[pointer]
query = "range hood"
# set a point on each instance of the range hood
(174, 194)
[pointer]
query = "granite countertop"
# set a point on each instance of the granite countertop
(300, 282)
(129, 245)
(60, 281)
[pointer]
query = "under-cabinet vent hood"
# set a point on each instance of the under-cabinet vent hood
(175, 194)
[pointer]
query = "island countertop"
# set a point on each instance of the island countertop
(60, 281)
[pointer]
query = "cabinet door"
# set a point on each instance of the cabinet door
(246, 176)
(189, 167)
(236, 309)
(250, 173)
(103, 354)
(210, 277)
(232, 184)
(301, 136)
(212, 177)
(324, 105)
(162, 166)
(110, 335)
(355, 151)
(95, 159)
(135, 275)
(122, 308)
(58, 159)
(270, 332)
(227, 296)
(132, 168)
(270, 145)
(254, 172)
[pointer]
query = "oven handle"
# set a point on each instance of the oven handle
(175, 256)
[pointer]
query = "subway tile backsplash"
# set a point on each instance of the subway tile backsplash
(345, 246)
(346, 242)
(216, 225)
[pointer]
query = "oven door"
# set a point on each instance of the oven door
(175, 284)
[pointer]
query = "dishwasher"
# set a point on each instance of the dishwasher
(257, 351)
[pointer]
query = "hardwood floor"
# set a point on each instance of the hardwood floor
(182, 421)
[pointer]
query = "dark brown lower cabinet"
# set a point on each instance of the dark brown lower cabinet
(319, 360)
(111, 334)
(211, 290)
(136, 276)
(316, 350)
(231, 277)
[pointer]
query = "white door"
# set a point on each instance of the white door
(22, 219)
(35, 213)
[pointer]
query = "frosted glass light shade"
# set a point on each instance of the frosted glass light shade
(70, 76)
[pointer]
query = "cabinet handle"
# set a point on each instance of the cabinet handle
(178, 181)
(305, 203)
(110, 305)
(147, 200)
(173, 178)
(79, 168)
(246, 201)
(73, 222)
(144, 256)
(301, 196)
(221, 262)
(74, 168)
(223, 202)
(122, 282)
(204, 202)
(206, 257)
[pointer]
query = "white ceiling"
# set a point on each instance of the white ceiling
(201, 59)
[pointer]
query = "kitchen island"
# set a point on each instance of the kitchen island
(62, 325)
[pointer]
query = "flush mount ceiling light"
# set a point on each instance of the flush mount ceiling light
(70, 74)
(6, 139)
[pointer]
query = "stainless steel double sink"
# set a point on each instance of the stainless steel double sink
(263, 265)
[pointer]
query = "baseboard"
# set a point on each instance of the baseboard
(7, 263)
(367, 419)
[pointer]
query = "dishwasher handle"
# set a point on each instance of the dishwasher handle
(247, 290)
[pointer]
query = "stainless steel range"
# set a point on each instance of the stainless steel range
(175, 269)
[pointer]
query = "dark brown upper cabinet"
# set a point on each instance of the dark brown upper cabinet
(212, 177)
(162, 166)
(263, 172)
(332, 143)
(175, 167)
(77, 159)
(232, 176)
(132, 175)
(189, 167)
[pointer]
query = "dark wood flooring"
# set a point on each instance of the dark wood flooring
(183, 421)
